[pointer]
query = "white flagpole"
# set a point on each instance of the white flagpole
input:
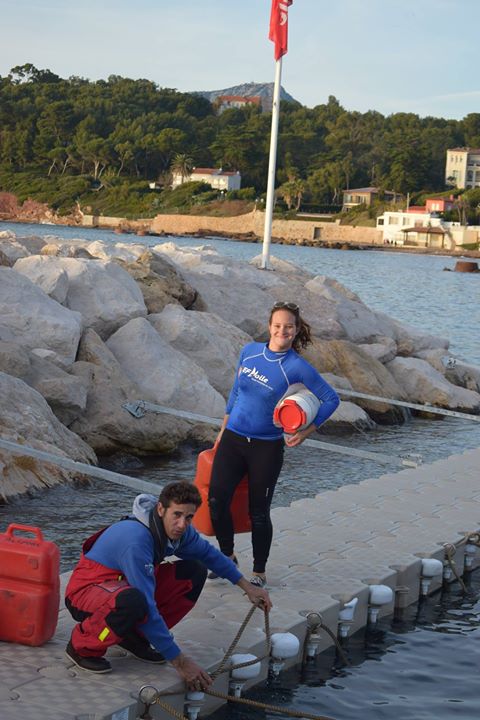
(272, 163)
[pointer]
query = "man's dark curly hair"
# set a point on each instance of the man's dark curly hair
(181, 492)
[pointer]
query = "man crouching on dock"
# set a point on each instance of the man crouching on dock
(122, 593)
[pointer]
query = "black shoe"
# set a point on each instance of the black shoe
(91, 664)
(213, 576)
(141, 649)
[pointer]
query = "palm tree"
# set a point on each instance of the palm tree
(292, 192)
(182, 165)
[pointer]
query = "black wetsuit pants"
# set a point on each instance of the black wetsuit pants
(262, 460)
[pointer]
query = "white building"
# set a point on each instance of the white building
(422, 229)
(462, 168)
(218, 178)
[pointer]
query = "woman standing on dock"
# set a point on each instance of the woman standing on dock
(249, 442)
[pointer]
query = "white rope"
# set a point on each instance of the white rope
(414, 406)
(381, 458)
(139, 408)
(83, 468)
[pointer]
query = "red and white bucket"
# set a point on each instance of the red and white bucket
(296, 411)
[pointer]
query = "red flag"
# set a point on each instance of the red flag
(279, 26)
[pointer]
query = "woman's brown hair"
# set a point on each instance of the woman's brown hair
(304, 331)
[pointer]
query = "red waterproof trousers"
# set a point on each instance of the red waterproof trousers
(109, 609)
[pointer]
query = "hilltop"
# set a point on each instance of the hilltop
(264, 90)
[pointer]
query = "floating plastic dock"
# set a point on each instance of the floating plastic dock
(327, 551)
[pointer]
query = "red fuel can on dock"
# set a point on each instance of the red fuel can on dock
(29, 586)
(239, 507)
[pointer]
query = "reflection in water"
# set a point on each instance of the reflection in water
(422, 664)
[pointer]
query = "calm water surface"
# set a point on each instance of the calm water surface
(421, 665)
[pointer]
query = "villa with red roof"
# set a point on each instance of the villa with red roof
(224, 102)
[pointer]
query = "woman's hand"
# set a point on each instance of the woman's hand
(298, 437)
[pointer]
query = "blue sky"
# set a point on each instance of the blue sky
(388, 55)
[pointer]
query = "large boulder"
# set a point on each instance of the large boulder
(455, 371)
(162, 372)
(51, 357)
(105, 424)
(128, 252)
(205, 338)
(360, 324)
(220, 289)
(363, 325)
(411, 341)
(423, 384)
(384, 350)
(190, 258)
(14, 359)
(159, 282)
(33, 244)
(26, 419)
(47, 274)
(5, 260)
(12, 250)
(65, 393)
(365, 374)
(347, 418)
(29, 317)
(105, 295)
(242, 294)
(72, 249)
(438, 359)
(463, 374)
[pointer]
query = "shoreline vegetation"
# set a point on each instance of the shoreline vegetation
(110, 148)
(90, 325)
(105, 143)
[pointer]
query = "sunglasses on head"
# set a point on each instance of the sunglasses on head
(286, 306)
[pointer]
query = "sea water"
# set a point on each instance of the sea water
(422, 664)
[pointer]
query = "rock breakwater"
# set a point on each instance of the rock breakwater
(88, 326)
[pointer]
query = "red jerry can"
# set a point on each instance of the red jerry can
(239, 507)
(29, 586)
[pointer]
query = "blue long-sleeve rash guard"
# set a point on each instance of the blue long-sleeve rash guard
(127, 546)
(262, 378)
